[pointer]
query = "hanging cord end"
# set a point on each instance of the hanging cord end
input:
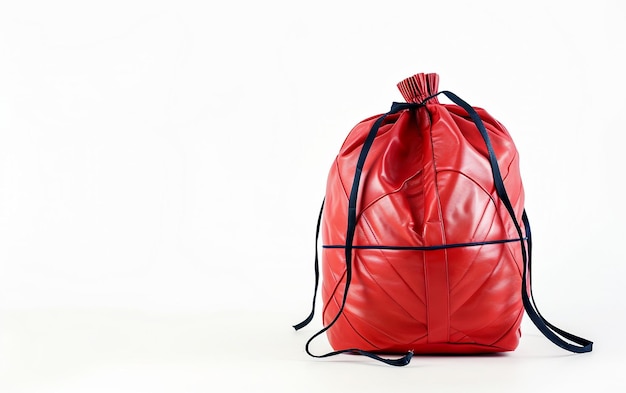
(403, 361)
(302, 324)
(407, 358)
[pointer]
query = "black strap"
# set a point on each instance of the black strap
(548, 330)
(317, 272)
(351, 228)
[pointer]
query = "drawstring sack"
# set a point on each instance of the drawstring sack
(426, 246)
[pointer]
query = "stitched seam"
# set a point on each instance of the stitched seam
(469, 267)
(514, 325)
(443, 232)
(391, 265)
(482, 284)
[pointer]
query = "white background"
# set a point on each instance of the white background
(162, 164)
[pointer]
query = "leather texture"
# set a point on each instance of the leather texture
(426, 182)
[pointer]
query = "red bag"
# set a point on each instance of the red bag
(426, 244)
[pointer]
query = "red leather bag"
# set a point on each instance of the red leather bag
(426, 244)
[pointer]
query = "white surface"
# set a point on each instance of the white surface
(162, 163)
(124, 351)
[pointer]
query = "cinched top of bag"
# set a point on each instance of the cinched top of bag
(418, 87)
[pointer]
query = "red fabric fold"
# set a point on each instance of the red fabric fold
(417, 88)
